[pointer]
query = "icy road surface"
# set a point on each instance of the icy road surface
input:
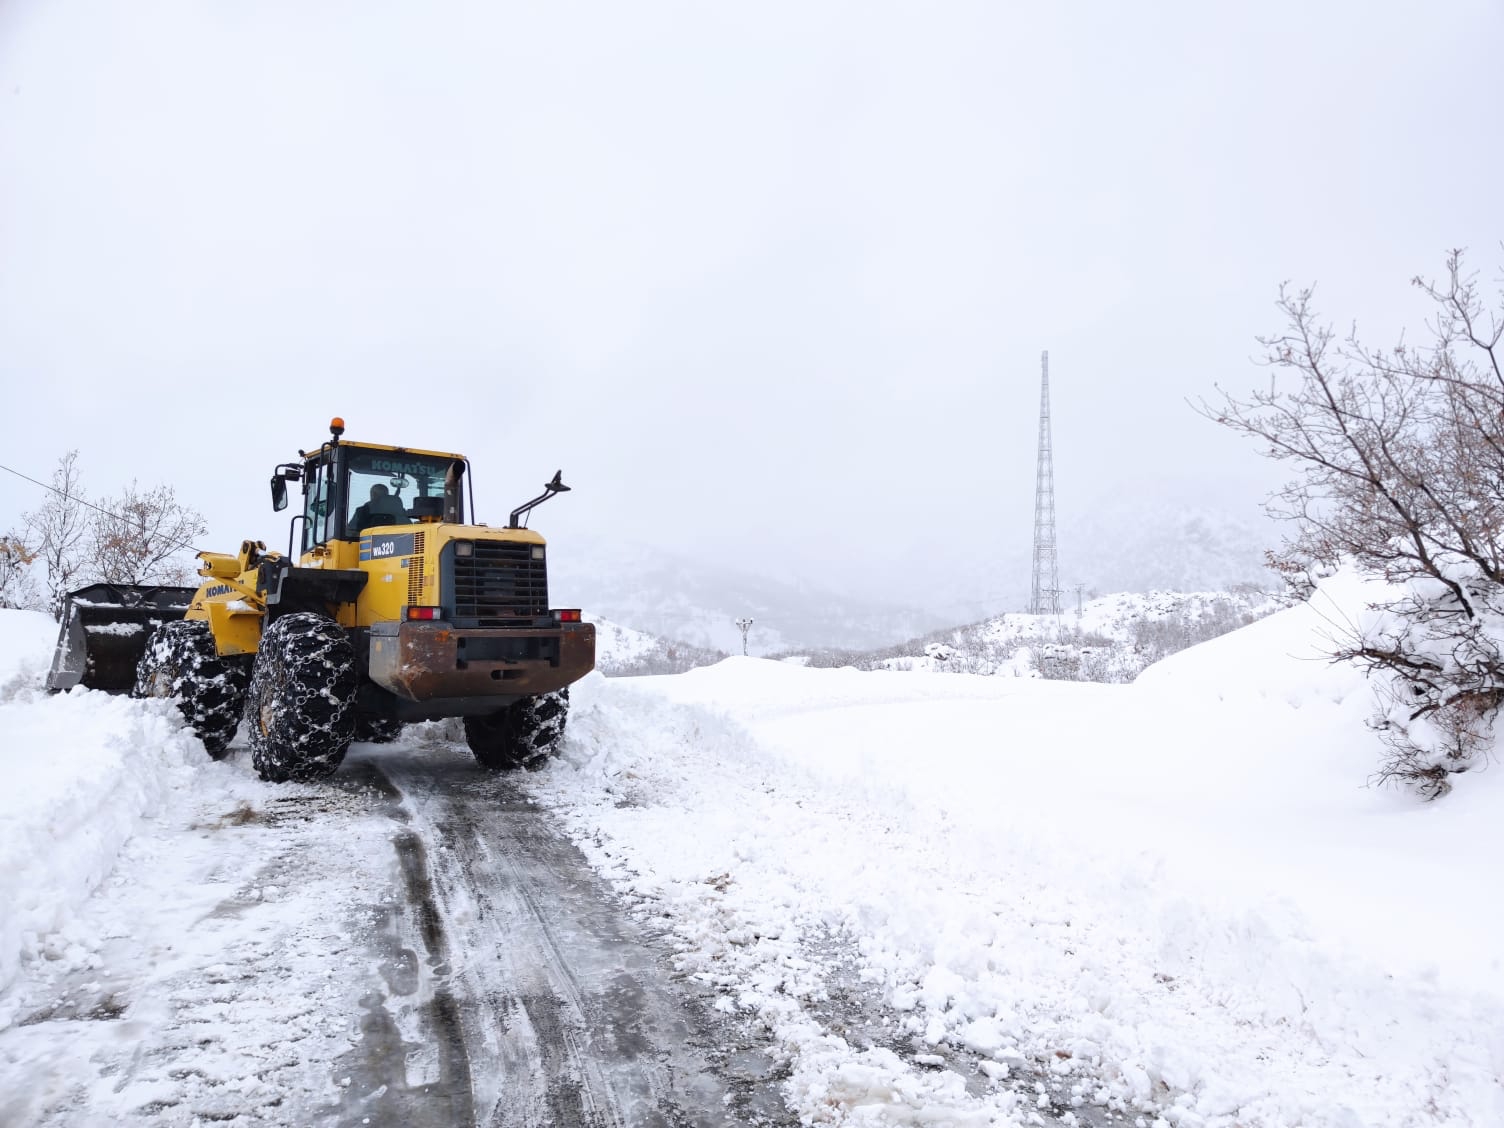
(408, 944)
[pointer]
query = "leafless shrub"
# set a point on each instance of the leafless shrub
(137, 537)
(143, 537)
(1399, 463)
(57, 530)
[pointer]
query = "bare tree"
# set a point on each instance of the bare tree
(17, 589)
(1399, 464)
(143, 538)
(57, 530)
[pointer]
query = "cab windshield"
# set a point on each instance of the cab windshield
(398, 488)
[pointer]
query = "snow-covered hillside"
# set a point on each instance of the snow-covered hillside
(1107, 639)
(616, 645)
(1153, 548)
(1163, 547)
(1156, 543)
(1174, 901)
(623, 650)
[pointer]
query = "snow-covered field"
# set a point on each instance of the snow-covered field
(1176, 899)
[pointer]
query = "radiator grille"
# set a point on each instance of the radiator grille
(415, 571)
(500, 584)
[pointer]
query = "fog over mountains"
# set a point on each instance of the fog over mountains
(676, 597)
(1159, 545)
(1155, 546)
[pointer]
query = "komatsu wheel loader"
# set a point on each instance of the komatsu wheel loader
(392, 610)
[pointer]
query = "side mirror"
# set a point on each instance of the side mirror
(279, 493)
(550, 489)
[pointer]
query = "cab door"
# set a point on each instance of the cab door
(323, 506)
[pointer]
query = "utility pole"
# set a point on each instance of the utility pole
(1044, 598)
(745, 625)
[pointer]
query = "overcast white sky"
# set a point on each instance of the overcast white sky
(768, 281)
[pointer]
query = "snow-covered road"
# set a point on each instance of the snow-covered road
(569, 1011)
(408, 944)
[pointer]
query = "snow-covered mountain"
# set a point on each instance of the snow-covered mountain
(1136, 546)
(698, 603)
(1160, 545)
(1164, 546)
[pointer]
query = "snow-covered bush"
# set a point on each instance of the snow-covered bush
(17, 583)
(1439, 651)
(1399, 458)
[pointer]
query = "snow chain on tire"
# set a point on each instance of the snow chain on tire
(524, 735)
(298, 712)
(180, 662)
(377, 730)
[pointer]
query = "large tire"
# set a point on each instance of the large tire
(377, 730)
(299, 711)
(180, 662)
(523, 735)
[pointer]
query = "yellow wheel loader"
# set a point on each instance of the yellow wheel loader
(386, 608)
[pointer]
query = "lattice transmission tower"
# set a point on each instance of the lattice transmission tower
(1045, 596)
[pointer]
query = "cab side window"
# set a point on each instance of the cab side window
(321, 522)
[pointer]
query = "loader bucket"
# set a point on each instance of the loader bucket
(104, 633)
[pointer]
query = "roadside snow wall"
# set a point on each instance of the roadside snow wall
(78, 771)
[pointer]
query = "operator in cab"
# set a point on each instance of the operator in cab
(381, 509)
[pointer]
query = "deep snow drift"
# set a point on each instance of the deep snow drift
(1175, 898)
(1180, 893)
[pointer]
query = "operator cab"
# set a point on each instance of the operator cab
(349, 488)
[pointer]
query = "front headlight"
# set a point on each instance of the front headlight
(537, 552)
(464, 548)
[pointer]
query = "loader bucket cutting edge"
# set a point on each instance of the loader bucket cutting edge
(105, 630)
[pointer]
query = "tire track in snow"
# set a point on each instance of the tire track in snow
(349, 953)
(375, 1074)
(566, 1003)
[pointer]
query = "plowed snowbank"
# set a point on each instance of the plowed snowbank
(1177, 897)
(79, 770)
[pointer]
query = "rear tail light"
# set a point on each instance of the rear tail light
(566, 616)
(424, 613)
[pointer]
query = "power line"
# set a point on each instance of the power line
(89, 504)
